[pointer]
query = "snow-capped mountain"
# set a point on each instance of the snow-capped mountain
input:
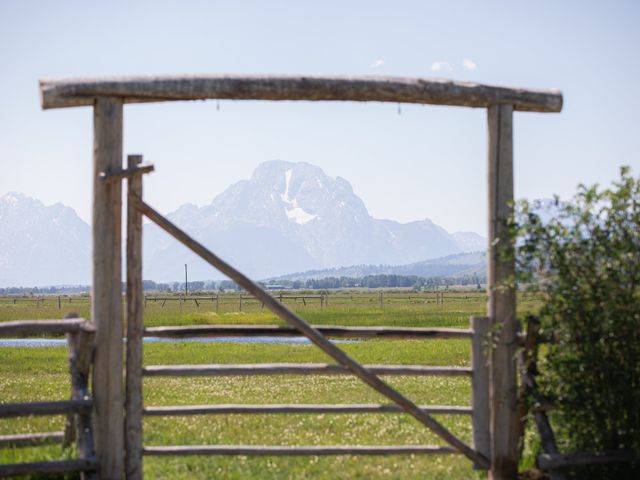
(42, 245)
(293, 217)
(288, 217)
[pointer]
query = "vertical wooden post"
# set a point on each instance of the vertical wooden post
(240, 301)
(501, 307)
(59, 306)
(106, 301)
(81, 348)
(480, 386)
(135, 326)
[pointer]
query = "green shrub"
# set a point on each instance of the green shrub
(583, 256)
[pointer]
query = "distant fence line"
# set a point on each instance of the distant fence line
(241, 299)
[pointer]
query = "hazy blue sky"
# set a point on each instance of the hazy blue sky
(416, 163)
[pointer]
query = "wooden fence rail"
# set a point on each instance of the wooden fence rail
(31, 439)
(296, 409)
(284, 331)
(33, 327)
(25, 409)
(50, 467)
(297, 369)
(80, 337)
(259, 450)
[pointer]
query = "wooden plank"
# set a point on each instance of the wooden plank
(433, 91)
(501, 308)
(81, 348)
(135, 326)
(106, 305)
(31, 327)
(59, 466)
(314, 335)
(297, 451)
(31, 439)
(549, 461)
(283, 331)
(61, 407)
(481, 418)
(296, 369)
(296, 409)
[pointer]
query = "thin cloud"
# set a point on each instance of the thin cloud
(377, 63)
(469, 64)
(441, 67)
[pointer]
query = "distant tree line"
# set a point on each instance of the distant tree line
(61, 290)
(381, 281)
(368, 281)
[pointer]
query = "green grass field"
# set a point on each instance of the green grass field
(41, 373)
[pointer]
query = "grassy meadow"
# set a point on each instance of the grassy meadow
(28, 374)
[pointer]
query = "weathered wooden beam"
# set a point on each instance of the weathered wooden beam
(135, 326)
(433, 91)
(501, 307)
(106, 304)
(556, 461)
(481, 418)
(80, 346)
(295, 321)
(59, 466)
(31, 439)
(11, 410)
(296, 369)
(31, 327)
(296, 409)
(297, 451)
(283, 331)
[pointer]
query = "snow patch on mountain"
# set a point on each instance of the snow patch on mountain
(295, 213)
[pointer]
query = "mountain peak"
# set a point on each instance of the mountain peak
(295, 210)
(15, 198)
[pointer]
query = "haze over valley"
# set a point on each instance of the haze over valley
(288, 217)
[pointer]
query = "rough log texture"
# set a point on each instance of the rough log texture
(314, 335)
(501, 308)
(295, 408)
(11, 410)
(106, 304)
(480, 386)
(280, 331)
(31, 327)
(80, 358)
(135, 326)
(83, 91)
(41, 468)
(291, 451)
(296, 369)
(31, 439)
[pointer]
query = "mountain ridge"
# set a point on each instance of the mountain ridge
(287, 217)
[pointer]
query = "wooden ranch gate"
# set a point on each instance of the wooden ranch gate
(118, 440)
